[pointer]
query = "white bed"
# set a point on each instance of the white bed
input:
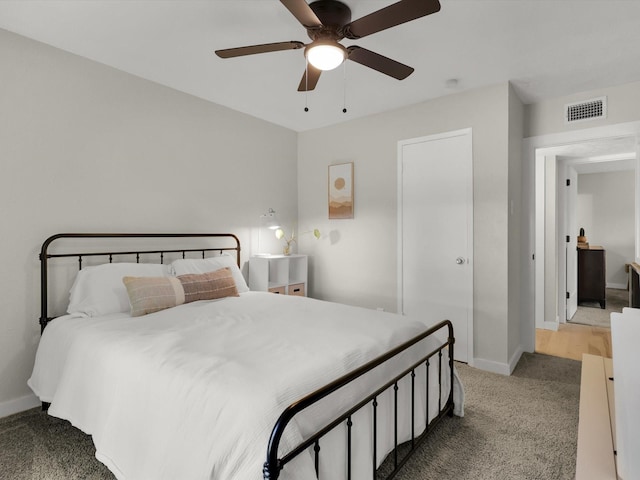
(193, 392)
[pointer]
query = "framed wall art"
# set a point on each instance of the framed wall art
(341, 190)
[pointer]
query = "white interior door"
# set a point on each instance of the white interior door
(436, 233)
(572, 230)
(552, 285)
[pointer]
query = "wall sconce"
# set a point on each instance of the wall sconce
(269, 221)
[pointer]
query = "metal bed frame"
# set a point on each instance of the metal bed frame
(275, 463)
(45, 256)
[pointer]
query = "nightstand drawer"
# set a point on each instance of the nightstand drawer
(296, 289)
(281, 290)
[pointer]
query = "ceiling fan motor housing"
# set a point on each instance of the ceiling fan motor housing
(334, 15)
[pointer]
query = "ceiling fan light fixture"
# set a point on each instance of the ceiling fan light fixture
(326, 55)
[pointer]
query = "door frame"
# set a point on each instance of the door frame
(569, 205)
(567, 222)
(468, 133)
(532, 311)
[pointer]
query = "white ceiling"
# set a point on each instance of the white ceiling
(598, 155)
(546, 48)
(606, 167)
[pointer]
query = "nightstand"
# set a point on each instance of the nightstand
(281, 274)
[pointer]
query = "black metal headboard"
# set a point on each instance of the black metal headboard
(228, 242)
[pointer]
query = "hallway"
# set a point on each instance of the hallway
(572, 340)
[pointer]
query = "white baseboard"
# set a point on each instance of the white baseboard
(618, 286)
(491, 366)
(546, 325)
(498, 367)
(515, 358)
(18, 405)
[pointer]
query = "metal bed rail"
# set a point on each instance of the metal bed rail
(275, 464)
(45, 256)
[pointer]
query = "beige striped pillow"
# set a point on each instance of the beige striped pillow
(152, 294)
(208, 286)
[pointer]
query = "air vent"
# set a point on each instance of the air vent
(589, 110)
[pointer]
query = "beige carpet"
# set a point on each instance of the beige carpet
(592, 314)
(522, 427)
(35, 446)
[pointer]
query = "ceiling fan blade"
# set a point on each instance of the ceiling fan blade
(302, 11)
(253, 49)
(395, 14)
(379, 62)
(309, 81)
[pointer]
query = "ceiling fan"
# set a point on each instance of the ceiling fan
(329, 21)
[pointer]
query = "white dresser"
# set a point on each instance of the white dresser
(625, 336)
(609, 422)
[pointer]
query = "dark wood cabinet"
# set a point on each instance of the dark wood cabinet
(591, 275)
(634, 284)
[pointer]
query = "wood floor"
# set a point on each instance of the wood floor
(572, 340)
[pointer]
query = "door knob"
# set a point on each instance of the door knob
(459, 260)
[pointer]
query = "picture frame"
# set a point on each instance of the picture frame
(340, 201)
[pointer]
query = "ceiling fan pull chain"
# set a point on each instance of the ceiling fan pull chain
(306, 84)
(344, 90)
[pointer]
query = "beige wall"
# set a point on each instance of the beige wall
(623, 105)
(355, 262)
(86, 147)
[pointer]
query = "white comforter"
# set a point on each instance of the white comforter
(194, 391)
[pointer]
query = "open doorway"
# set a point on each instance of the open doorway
(602, 208)
(562, 209)
(546, 267)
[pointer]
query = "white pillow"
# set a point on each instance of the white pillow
(99, 290)
(204, 265)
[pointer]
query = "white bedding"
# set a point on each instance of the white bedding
(193, 392)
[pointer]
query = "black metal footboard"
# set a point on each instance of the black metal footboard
(274, 464)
